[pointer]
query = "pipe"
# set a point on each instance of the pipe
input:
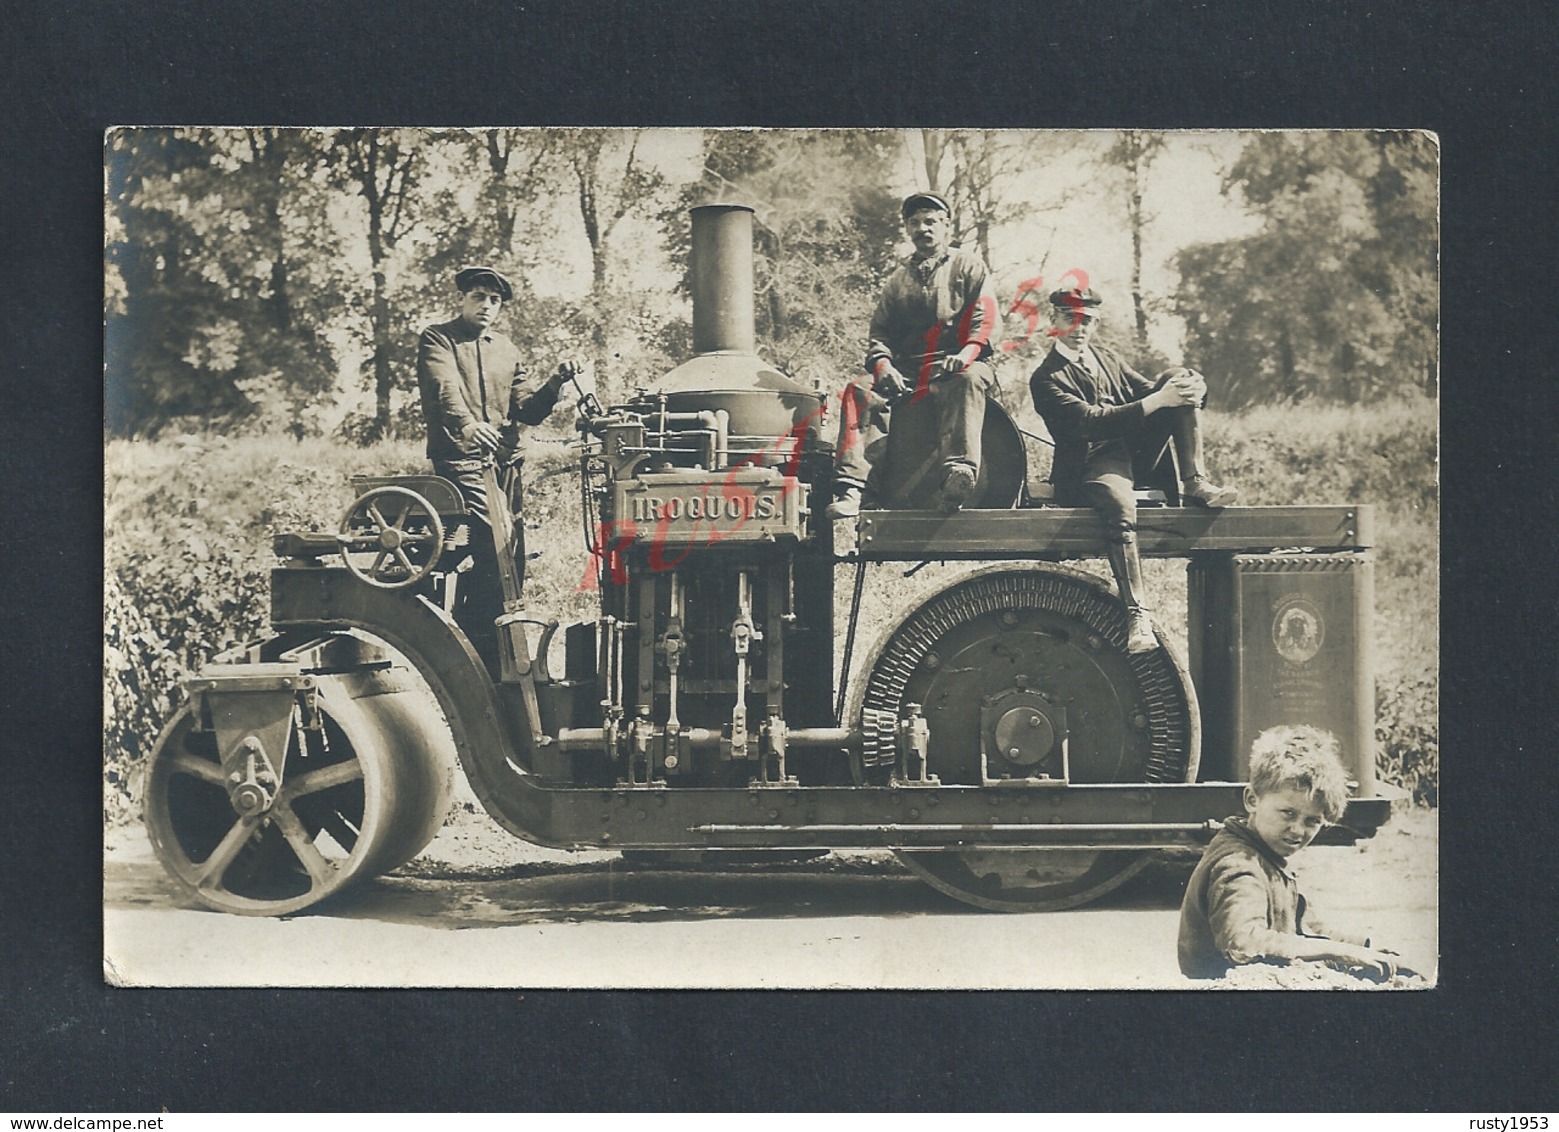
(674, 644)
(722, 280)
(593, 738)
(1133, 836)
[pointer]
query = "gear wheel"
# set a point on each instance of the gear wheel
(878, 744)
(1001, 635)
(1060, 631)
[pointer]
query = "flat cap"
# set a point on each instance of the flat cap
(916, 201)
(1077, 298)
(479, 274)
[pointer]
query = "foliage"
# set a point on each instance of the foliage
(1336, 296)
(1133, 154)
(274, 280)
(204, 318)
(1386, 452)
(1408, 736)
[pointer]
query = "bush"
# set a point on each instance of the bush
(1407, 737)
(1384, 454)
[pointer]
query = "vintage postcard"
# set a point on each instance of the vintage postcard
(914, 558)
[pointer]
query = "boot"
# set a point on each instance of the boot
(1202, 492)
(846, 504)
(957, 486)
(1127, 568)
(1140, 636)
(1196, 490)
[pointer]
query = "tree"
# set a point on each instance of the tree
(383, 167)
(1335, 296)
(202, 318)
(493, 180)
(1133, 153)
(610, 181)
(982, 175)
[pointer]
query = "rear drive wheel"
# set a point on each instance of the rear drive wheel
(1024, 680)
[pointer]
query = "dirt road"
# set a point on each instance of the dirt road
(480, 908)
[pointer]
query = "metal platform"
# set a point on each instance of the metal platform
(1056, 533)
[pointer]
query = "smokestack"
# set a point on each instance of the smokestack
(725, 372)
(722, 280)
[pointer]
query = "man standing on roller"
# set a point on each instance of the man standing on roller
(1114, 430)
(930, 338)
(475, 397)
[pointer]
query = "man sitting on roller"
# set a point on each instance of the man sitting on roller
(1114, 429)
(930, 339)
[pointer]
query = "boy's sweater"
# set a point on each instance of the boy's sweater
(1242, 904)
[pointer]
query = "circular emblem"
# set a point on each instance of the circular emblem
(1298, 630)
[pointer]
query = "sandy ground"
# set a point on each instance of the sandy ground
(482, 908)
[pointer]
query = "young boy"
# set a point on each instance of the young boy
(1243, 904)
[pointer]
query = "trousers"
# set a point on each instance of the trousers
(865, 419)
(1157, 455)
(479, 595)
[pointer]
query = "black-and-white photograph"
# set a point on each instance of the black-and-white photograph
(903, 558)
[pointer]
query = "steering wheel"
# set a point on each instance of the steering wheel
(391, 537)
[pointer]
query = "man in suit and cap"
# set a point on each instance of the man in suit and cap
(475, 397)
(1114, 430)
(930, 339)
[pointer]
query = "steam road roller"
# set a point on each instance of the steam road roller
(997, 735)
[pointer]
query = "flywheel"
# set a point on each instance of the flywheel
(1023, 679)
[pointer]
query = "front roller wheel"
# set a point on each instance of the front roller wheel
(362, 794)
